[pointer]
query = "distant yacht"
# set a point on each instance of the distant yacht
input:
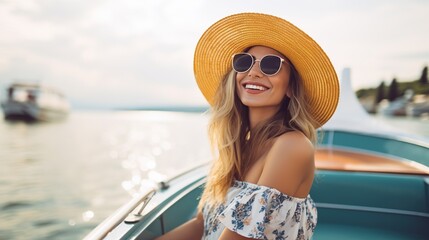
(34, 102)
(407, 105)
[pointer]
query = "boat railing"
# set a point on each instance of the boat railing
(166, 183)
(116, 218)
(125, 213)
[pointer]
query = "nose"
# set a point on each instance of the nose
(255, 71)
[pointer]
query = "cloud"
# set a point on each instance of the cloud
(119, 53)
(103, 53)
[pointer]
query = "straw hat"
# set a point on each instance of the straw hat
(233, 34)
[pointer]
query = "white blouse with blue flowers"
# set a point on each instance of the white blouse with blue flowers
(261, 212)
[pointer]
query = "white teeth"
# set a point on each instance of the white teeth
(256, 87)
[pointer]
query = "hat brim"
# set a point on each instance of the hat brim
(232, 34)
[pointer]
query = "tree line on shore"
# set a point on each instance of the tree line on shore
(396, 89)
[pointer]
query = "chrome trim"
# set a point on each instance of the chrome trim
(160, 209)
(166, 183)
(136, 217)
(103, 229)
(117, 217)
(370, 209)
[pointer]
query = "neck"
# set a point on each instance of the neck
(260, 114)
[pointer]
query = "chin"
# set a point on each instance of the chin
(259, 103)
(254, 104)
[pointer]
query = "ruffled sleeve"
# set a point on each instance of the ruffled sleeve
(265, 213)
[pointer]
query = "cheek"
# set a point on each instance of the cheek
(238, 78)
(286, 88)
(286, 85)
(284, 81)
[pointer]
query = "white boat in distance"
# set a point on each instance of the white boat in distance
(34, 102)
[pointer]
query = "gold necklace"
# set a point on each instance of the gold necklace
(247, 136)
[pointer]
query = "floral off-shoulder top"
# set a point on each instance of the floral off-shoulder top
(260, 212)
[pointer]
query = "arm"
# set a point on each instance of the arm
(230, 235)
(287, 165)
(192, 229)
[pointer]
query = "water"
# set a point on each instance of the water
(59, 180)
(419, 126)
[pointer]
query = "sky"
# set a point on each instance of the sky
(119, 54)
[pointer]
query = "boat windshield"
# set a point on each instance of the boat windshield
(22, 94)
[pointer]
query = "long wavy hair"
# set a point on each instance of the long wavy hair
(237, 147)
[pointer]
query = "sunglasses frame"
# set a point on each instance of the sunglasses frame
(258, 60)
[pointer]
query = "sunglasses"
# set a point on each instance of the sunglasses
(269, 65)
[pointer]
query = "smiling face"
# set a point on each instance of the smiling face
(256, 89)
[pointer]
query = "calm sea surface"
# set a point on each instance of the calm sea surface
(59, 180)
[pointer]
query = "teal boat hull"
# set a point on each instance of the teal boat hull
(350, 204)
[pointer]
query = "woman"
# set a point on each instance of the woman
(265, 110)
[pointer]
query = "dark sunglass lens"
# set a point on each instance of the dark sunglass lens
(270, 64)
(242, 62)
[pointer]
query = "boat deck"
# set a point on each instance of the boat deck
(346, 160)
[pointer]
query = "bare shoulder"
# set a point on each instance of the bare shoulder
(288, 163)
(291, 149)
(295, 141)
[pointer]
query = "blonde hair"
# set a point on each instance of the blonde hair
(229, 130)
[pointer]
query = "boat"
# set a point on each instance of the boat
(394, 108)
(372, 182)
(34, 102)
(408, 105)
(419, 107)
